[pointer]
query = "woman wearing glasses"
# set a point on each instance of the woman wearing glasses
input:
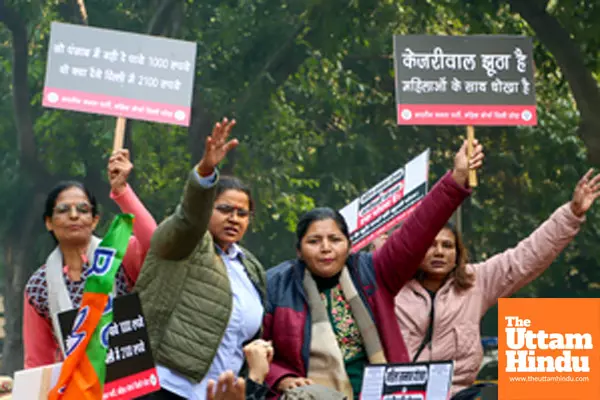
(203, 294)
(71, 215)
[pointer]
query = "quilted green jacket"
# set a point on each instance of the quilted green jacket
(184, 286)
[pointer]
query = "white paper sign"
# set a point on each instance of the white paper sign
(417, 381)
(388, 203)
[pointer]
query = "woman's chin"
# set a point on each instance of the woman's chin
(327, 272)
(436, 273)
(75, 239)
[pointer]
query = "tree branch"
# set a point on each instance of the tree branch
(157, 25)
(200, 126)
(161, 16)
(274, 59)
(570, 60)
(20, 88)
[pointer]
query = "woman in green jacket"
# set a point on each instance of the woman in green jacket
(202, 293)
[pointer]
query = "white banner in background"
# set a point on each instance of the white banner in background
(388, 203)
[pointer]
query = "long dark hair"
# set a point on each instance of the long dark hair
(463, 279)
(57, 190)
(320, 214)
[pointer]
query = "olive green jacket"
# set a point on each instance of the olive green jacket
(184, 287)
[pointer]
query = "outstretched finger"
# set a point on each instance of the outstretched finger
(228, 128)
(226, 381)
(210, 390)
(595, 180)
(232, 144)
(208, 143)
(585, 177)
(223, 125)
(216, 130)
(221, 135)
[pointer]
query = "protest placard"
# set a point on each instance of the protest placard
(417, 381)
(130, 369)
(464, 80)
(120, 74)
(388, 203)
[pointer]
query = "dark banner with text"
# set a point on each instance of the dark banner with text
(464, 80)
(130, 369)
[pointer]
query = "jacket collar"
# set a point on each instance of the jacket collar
(416, 287)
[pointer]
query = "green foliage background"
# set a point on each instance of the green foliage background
(311, 85)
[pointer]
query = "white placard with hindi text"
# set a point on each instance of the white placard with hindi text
(388, 203)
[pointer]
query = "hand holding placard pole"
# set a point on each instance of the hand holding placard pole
(470, 139)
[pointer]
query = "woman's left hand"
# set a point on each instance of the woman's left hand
(119, 168)
(586, 192)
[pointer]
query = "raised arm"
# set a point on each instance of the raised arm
(505, 273)
(397, 261)
(144, 225)
(178, 235)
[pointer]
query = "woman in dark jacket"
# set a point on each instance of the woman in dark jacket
(329, 312)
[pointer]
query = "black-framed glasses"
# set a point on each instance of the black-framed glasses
(80, 208)
(229, 210)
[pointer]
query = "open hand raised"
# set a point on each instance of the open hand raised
(217, 147)
(586, 192)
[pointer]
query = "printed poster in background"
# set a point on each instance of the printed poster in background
(418, 381)
(464, 80)
(121, 74)
(130, 369)
(388, 203)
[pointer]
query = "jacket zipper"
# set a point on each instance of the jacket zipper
(432, 328)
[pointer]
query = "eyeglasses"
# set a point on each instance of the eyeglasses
(81, 208)
(229, 210)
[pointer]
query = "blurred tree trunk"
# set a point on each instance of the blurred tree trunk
(570, 60)
(18, 247)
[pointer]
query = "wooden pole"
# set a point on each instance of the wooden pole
(119, 133)
(470, 139)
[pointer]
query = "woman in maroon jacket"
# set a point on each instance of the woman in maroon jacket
(329, 313)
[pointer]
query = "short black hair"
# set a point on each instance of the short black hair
(226, 183)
